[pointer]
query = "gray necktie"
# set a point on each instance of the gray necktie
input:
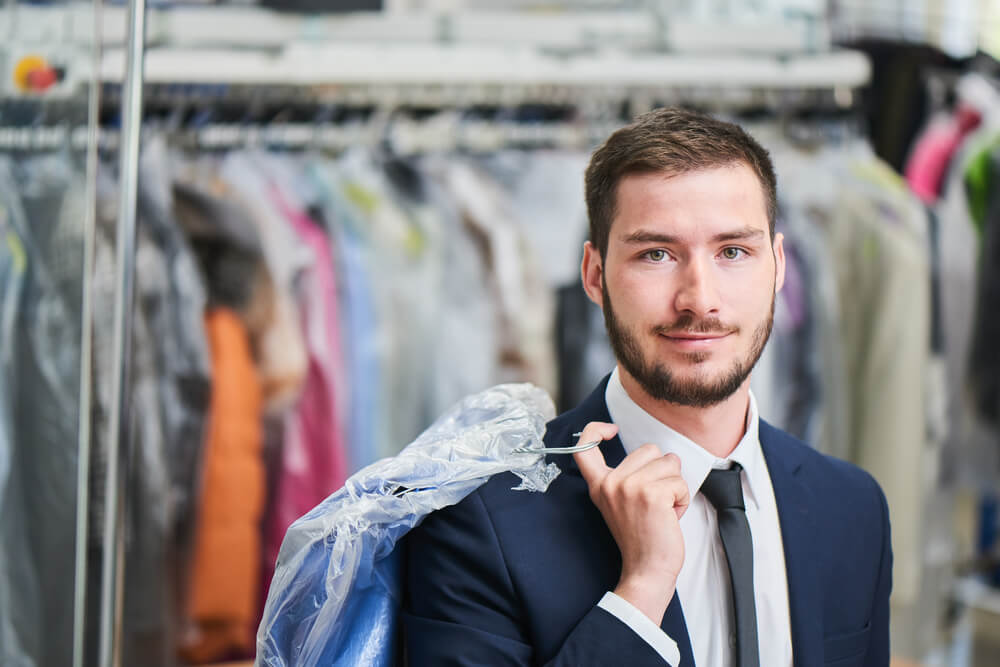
(724, 491)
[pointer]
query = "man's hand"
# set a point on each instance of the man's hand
(642, 501)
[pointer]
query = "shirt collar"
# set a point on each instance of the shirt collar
(637, 427)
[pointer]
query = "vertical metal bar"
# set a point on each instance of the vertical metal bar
(86, 360)
(113, 565)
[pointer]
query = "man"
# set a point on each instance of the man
(697, 534)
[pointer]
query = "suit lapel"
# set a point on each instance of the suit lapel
(798, 532)
(594, 408)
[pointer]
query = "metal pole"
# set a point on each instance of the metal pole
(86, 360)
(113, 565)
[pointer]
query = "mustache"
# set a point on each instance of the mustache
(687, 324)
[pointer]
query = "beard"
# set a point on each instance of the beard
(659, 382)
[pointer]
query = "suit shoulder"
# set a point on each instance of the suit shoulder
(835, 474)
(498, 492)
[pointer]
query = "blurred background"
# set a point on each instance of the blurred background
(248, 248)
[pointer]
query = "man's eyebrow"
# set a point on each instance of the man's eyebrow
(745, 234)
(643, 236)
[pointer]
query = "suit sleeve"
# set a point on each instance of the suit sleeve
(878, 650)
(461, 608)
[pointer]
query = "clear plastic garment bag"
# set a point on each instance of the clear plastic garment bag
(46, 223)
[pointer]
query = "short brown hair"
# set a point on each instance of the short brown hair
(672, 141)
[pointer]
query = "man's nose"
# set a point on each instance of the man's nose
(696, 293)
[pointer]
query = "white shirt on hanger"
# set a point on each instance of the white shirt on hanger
(703, 583)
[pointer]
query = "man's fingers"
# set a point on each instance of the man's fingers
(682, 497)
(657, 467)
(673, 490)
(639, 459)
(591, 462)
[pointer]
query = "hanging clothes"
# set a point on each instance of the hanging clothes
(885, 305)
(546, 198)
(221, 601)
(969, 440)
(158, 433)
(41, 198)
(927, 166)
(357, 316)
(20, 599)
(281, 349)
(524, 305)
(176, 310)
(985, 352)
(313, 460)
(403, 245)
(864, 244)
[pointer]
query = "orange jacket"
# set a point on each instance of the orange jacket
(224, 579)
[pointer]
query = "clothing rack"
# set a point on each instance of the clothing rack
(449, 119)
(406, 137)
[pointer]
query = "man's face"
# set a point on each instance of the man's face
(688, 283)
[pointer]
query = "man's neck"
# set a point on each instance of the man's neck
(718, 428)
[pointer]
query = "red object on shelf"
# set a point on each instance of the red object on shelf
(42, 78)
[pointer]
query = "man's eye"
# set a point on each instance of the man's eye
(732, 252)
(657, 255)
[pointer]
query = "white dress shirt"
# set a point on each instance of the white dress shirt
(703, 583)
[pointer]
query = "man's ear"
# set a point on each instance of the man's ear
(592, 273)
(779, 261)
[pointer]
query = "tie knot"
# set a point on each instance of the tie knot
(723, 488)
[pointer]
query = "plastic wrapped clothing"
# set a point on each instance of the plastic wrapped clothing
(336, 592)
(41, 205)
(18, 580)
(170, 389)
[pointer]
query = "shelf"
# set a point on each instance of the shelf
(421, 65)
(588, 50)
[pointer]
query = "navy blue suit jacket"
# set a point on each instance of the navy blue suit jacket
(513, 578)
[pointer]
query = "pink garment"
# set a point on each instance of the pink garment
(928, 163)
(314, 449)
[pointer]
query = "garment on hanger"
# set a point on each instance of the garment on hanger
(169, 388)
(20, 599)
(969, 440)
(403, 242)
(985, 352)
(176, 311)
(313, 459)
(524, 305)
(545, 188)
(282, 346)
(42, 200)
(222, 588)
(865, 375)
(927, 165)
(881, 240)
(357, 317)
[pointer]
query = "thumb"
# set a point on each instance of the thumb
(591, 462)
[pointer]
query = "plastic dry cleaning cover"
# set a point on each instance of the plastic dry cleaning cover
(337, 586)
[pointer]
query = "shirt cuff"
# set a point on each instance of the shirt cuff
(650, 632)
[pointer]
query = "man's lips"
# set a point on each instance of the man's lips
(694, 339)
